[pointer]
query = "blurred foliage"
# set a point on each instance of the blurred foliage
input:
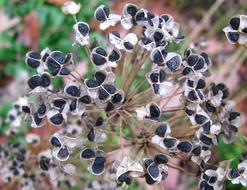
(55, 33)
(55, 30)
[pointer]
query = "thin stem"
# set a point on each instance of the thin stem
(202, 23)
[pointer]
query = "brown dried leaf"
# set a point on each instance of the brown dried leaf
(30, 34)
(57, 2)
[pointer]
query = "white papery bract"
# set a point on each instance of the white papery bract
(70, 7)
(236, 32)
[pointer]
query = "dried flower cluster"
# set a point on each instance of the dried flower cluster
(87, 112)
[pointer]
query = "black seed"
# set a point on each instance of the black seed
(206, 127)
(92, 83)
(170, 142)
(203, 184)
(110, 88)
(26, 109)
(146, 40)
(98, 165)
(128, 45)
(100, 76)
(59, 103)
(20, 157)
(53, 66)
(200, 64)
(206, 140)
(55, 142)
(205, 177)
(117, 98)
(156, 88)
(153, 170)
(154, 77)
(158, 36)
(42, 109)
(34, 81)
(86, 99)
(184, 146)
(45, 56)
(99, 121)
(206, 58)
(64, 71)
(158, 57)
(91, 135)
(73, 105)
(162, 75)
(212, 179)
(147, 162)
(103, 94)
(201, 84)
(225, 93)
(233, 115)
(98, 59)
(88, 153)
(200, 94)
(73, 91)
(16, 172)
(63, 153)
(132, 10)
(125, 178)
(57, 119)
(43, 165)
(235, 23)
(83, 28)
(192, 60)
(101, 51)
(140, 16)
(234, 173)
(58, 56)
(186, 70)
(32, 61)
(197, 150)
(154, 111)
(174, 63)
(116, 33)
(244, 30)
(190, 83)
(109, 107)
(233, 128)
(114, 56)
(34, 55)
(100, 15)
(192, 96)
(233, 36)
(189, 112)
(161, 130)
(11, 117)
(107, 10)
(45, 80)
(36, 118)
(210, 108)
(68, 58)
(214, 89)
(165, 17)
(200, 119)
(148, 179)
(161, 159)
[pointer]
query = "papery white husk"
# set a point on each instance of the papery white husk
(69, 169)
(165, 88)
(31, 137)
(70, 7)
